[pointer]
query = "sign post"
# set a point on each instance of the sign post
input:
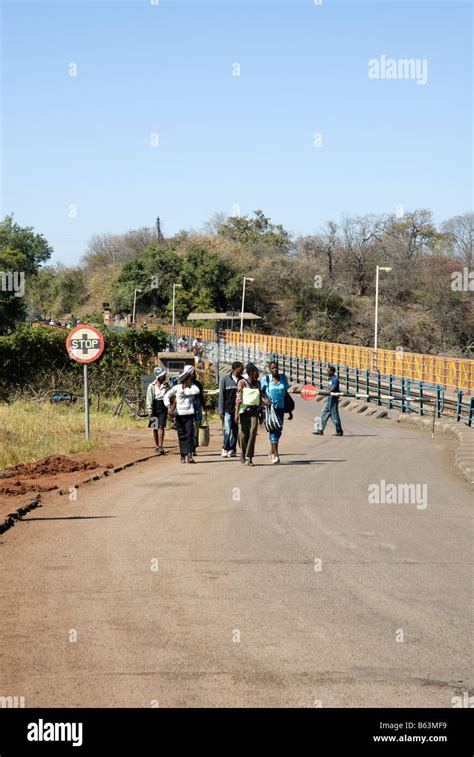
(85, 344)
(86, 404)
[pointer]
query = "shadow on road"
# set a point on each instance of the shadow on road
(312, 462)
(70, 517)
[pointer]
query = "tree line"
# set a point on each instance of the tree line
(318, 286)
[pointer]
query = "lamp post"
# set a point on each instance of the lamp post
(246, 278)
(135, 304)
(174, 304)
(379, 268)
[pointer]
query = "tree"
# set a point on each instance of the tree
(116, 249)
(154, 272)
(459, 232)
(209, 283)
(255, 231)
(360, 237)
(22, 252)
(41, 296)
(71, 290)
(411, 236)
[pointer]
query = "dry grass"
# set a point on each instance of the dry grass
(30, 431)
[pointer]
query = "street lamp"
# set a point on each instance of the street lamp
(174, 303)
(379, 268)
(246, 278)
(135, 304)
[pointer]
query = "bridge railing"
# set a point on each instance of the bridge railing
(403, 393)
(375, 387)
(453, 373)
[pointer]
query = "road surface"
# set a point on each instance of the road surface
(222, 585)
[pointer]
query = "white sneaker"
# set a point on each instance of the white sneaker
(275, 460)
(232, 453)
(224, 453)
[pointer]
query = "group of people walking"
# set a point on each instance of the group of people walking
(242, 404)
(245, 402)
(185, 402)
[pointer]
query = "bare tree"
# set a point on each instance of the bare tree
(115, 249)
(360, 239)
(460, 231)
(410, 236)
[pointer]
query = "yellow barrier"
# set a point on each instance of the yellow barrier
(434, 369)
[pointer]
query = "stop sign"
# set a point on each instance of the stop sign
(85, 344)
(308, 392)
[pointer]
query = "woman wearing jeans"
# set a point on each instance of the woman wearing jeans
(274, 388)
(181, 398)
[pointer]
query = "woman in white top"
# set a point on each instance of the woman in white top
(156, 408)
(181, 398)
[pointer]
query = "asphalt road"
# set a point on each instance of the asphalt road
(221, 585)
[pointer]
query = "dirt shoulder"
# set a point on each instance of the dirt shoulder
(45, 478)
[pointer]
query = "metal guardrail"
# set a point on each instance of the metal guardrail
(456, 373)
(395, 392)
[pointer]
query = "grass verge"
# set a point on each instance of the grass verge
(30, 431)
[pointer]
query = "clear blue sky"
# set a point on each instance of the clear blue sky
(226, 140)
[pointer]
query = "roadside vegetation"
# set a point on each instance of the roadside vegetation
(30, 431)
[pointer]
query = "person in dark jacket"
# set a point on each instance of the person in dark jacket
(199, 409)
(331, 407)
(226, 408)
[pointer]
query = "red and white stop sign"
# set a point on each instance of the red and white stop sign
(85, 344)
(308, 392)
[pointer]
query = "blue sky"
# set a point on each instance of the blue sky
(227, 140)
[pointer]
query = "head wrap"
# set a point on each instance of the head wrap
(187, 371)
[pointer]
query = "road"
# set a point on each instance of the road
(221, 585)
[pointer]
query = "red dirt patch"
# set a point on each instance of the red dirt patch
(50, 466)
(23, 483)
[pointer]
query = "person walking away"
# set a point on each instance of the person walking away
(181, 397)
(226, 408)
(274, 389)
(199, 409)
(331, 407)
(248, 412)
(156, 407)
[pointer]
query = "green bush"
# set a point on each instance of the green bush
(35, 359)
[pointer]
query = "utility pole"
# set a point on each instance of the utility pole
(158, 230)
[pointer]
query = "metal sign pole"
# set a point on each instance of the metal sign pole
(86, 403)
(217, 355)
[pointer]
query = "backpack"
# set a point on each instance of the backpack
(289, 403)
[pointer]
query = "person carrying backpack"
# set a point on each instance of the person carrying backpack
(275, 396)
(248, 412)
